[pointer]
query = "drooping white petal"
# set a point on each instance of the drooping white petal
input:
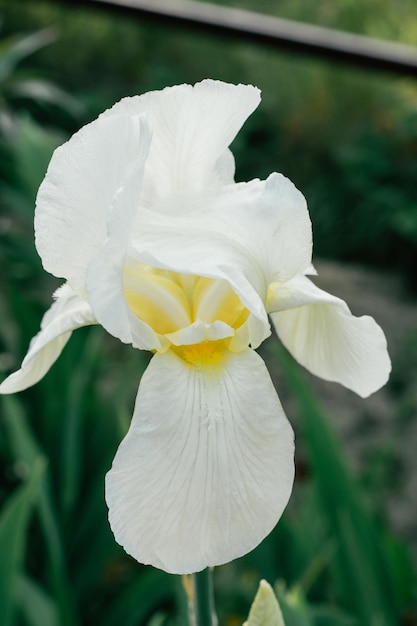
(66, 314)
(206, 469)
(105, 278)
(323, 335)
(76, 195)
(192, 129)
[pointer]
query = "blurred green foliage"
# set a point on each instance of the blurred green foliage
(348, 139)
(19, 89)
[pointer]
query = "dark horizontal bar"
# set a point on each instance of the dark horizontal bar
(296, 36)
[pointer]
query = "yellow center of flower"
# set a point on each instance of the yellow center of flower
(170, 302)
(204, 353)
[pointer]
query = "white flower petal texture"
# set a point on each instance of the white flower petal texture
(140, 214)
(207, 466)
(192, 130)
(324, 336)
(77, 193)
(66, 314)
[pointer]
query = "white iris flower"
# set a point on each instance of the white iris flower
(139, 212)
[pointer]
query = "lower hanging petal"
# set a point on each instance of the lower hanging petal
(322, 334)
(207, 467)
(66, 314)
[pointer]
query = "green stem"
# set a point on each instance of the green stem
(203, 599)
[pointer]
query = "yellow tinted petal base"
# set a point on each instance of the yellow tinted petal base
(204, 354)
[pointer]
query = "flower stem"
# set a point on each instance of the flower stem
(204, 612)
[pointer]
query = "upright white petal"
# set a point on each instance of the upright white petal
(66, 314)
(248, 235)
(105, 286)
(76, 195)
(323, 335)
(192, 129)
(263, 228)
(270, 220)
(206, 469)
(226, 167)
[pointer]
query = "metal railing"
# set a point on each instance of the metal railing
(286, 34)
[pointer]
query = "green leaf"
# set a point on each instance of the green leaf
(35, 605)
(331, 616)
(364, 578)
(33, 147)
(25, 451)
(157, 620)
(14, 49)
(265, 609)
(44, 91)
(13, 521)
(75, 407)
(153, 587)
(294, 606)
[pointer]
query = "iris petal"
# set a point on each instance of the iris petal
(66, 314)
(193, 127)
(270, 220)
(247, 236)
(206, 468)
(106, 273)
(323, 335)
(77, 192)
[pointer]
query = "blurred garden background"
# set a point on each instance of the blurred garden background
(345, 552)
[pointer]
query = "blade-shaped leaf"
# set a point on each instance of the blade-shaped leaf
(33, 147)
(364, 577)
(153, 587)
(13, 521)
(26, 450)
(46, 92)
(15, 49)
(75, 407)
(294, 607)
(35, 605)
